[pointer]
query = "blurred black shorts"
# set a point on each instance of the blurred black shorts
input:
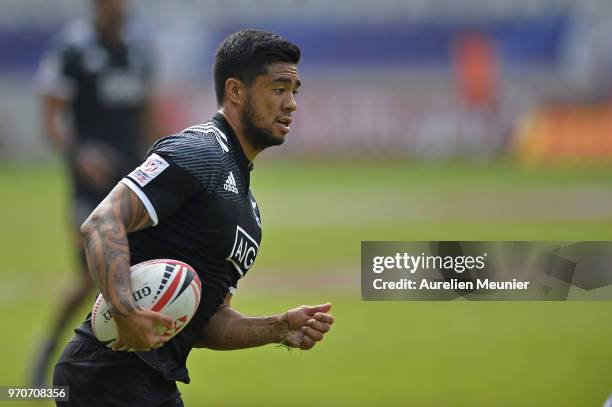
(97, 376)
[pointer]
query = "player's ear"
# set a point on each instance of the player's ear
(235, 91)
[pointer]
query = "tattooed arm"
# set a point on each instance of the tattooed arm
(108, 257)
(300, 328)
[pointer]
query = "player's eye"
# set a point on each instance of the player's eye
(279, 91)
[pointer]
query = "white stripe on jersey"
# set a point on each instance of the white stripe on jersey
(218, 134)
(143, 198)
(210, 128)
(216, 130)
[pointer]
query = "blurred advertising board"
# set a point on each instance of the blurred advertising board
(388, 119)
(569, 133)
(356, 118)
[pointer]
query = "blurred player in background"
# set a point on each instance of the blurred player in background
(95, 85)
(190, 200)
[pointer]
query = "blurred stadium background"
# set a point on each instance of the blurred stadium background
(418, 120)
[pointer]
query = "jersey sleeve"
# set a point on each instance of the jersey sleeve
(173, 172)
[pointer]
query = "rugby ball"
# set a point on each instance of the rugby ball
(167, 286)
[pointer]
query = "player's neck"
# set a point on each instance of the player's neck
(233, 119)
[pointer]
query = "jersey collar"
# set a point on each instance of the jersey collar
(227, 129)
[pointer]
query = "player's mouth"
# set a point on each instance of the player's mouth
(283, 123)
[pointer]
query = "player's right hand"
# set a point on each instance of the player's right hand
(307, 325)
(141, 330)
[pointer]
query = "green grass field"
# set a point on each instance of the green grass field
(314, 216)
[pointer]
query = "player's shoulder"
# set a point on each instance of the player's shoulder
(212, 133)
(205, 138)
(199, 149)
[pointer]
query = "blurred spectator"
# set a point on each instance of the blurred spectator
(95, 85)
(476, 70)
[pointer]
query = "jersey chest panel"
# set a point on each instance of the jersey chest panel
(230, 229)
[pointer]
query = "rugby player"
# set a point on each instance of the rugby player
(98, 71)
(190, 200)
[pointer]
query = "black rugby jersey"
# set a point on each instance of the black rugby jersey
(107, 86)
(195, 186)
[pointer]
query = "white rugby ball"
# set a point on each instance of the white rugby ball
(167, 286)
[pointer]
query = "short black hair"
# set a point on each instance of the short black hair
(245, 54)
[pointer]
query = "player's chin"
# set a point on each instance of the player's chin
(280, 140)
(277, 138)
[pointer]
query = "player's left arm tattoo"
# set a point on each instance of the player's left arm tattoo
(106, 246)
(228, 329)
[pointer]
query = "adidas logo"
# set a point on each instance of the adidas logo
(230, 183)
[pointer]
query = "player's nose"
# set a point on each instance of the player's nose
(289, 103)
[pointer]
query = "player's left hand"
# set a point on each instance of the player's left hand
(307, 325)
